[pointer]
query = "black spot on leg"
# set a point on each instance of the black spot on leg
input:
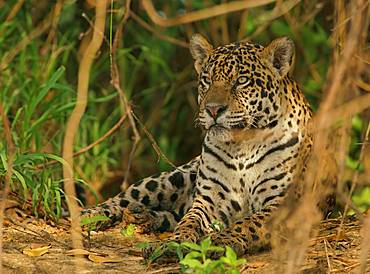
(255, 237)
(258, 224)
(181, 210)
(135, 193)
(174, 197)
(177, 180)
(238, 229)
(123, 203)
(165, 225)
(208, 199)
(145, 200)
(193, 177)
(160, 196)
(224, 217)
(176, 216)
(151, 185)
(251, 229)
(235, 205)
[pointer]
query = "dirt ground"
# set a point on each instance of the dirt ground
(26, 238)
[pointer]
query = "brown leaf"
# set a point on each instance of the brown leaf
(165, 235)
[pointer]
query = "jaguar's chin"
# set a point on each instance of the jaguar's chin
(219, 132)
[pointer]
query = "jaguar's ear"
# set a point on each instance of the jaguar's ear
(279, 56)
(200, 49)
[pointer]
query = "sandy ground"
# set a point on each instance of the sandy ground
(110, 252)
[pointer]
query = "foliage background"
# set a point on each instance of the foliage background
(40, 47)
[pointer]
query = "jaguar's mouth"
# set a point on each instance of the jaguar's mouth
(217, 126)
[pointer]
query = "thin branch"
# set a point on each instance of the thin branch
(154, 143)
(200, 14)
(14, 10)
(93, 144)
(157, 33)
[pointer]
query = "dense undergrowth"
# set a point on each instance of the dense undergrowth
(40, 52)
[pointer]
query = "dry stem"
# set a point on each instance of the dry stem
(74, 120)
(200, 14)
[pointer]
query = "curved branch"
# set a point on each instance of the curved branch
(200, 14)
(74, 121)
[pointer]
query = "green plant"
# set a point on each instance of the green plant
(198, 261)
(128, 231)
(197, 258)
(90, 223)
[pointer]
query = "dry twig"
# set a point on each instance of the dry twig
(116, 84)
(93, 144)
(13, 12)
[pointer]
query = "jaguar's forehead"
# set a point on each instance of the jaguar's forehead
(225, 62)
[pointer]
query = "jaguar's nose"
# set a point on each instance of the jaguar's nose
(215, 110)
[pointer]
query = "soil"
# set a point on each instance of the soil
(111, 252)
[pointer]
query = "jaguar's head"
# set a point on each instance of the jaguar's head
(240, 83)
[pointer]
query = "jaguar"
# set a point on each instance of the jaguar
(256, 143)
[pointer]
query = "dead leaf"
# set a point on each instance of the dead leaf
(104, 259)
(36, 251)
(165, 235)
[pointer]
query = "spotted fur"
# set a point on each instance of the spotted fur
(256, 122)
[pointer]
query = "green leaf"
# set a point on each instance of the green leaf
(230, 253)
(143, 245)
(205, 244)
(357, 123)
(91, 220)
(128, 231)
(192, 263)
(216, 248)
(193, 255)
(22, 181)
(191, 246)
(158, 252)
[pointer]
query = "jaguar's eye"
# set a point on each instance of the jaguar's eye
(206, 80)
(242, 80)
